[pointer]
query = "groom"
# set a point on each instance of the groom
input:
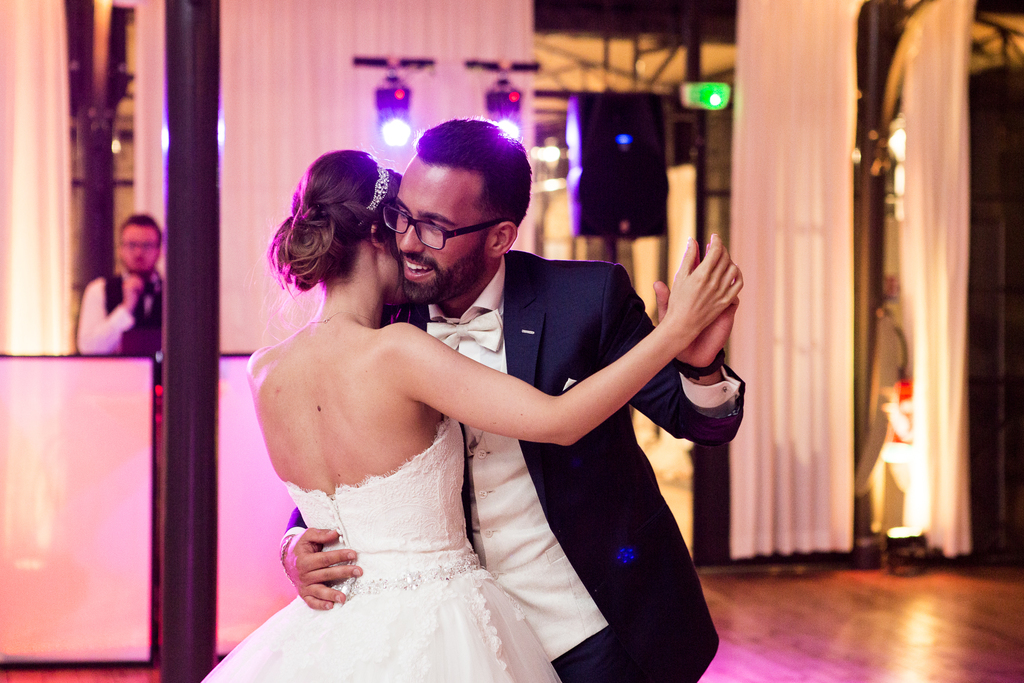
(580, 535)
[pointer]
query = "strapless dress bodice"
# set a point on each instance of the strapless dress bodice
(407, 525)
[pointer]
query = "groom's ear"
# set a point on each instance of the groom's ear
(501, 237)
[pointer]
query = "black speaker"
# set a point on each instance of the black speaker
(617, 180)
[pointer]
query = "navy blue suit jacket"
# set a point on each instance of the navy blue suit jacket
(566, 320)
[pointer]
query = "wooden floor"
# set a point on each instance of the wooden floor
(943, 625)
(964, 626)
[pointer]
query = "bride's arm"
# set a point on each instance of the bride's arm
(428, 371)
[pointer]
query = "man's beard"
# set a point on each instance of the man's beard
(447, 284)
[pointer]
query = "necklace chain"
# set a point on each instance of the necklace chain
(327, 319)
(332, 315)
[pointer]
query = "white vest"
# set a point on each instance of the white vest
(510, 532)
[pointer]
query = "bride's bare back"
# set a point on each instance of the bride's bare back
(328, 413)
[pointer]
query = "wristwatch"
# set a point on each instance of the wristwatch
(690, 372)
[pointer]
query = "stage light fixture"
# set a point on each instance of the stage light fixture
(395, 132)
(503, 102)
(906, 550)
(511, 128)
(393, 111)
(503, 99)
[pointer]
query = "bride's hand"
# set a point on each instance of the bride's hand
(702, 303)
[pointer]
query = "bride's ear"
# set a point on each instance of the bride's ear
(376, 238)
(376, 233)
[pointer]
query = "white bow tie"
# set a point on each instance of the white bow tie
(485, 329)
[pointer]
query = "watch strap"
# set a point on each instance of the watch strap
(690, 372)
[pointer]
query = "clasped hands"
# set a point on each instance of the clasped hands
(709, 288)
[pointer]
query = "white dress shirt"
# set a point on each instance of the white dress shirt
(99, 333)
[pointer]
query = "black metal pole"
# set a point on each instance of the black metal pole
(710, 463)
(88, 47)
(698, 154)
(190, 343)
(878, 33)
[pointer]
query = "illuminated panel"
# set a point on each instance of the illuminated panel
(253, 509)
(75, 509)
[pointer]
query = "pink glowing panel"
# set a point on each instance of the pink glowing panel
(75, 509)
(253, 509)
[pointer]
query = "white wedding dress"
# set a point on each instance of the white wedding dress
(423, 611)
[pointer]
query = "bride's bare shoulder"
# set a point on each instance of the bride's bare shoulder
(269, 361)
(401, 332)
(259, 361)
(259, 367)
(404, 340)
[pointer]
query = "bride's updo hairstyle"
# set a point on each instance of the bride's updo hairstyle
(339, 199)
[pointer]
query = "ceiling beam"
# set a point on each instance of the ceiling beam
(627, 18)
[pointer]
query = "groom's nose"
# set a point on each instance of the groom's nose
(409, 241)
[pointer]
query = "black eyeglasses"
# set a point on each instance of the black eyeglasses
(140, 246)
(431, 235)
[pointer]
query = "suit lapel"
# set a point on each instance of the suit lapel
(523, 320)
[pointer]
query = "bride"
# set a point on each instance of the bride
(362, 424)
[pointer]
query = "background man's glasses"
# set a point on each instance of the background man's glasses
(431, 235)
(140, 246)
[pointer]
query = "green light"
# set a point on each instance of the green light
(705, 95)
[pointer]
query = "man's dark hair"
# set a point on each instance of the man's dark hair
(143, 220)
(480, 146)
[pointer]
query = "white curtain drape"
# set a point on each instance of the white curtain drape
(150, 101)
(35, 179)
(290, 92)
(934, 248)
(792, 234)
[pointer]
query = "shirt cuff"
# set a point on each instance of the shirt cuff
(713, 400)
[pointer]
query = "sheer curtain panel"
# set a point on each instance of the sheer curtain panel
(35, 179)
(150, 100)
(934, 250)
(792, 234)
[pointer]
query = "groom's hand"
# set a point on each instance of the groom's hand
(312, 571)
(705, 347)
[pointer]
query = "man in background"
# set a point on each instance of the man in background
(123, 314)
